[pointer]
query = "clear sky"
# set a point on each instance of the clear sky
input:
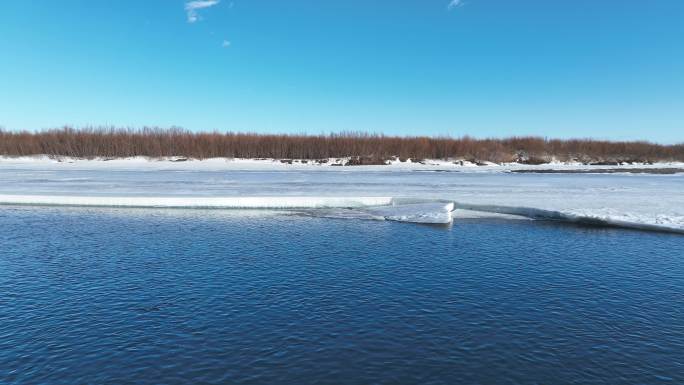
(610, 69)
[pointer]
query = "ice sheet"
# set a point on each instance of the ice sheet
(630, 200)
(196, 202)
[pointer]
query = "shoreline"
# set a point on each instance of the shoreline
(342, 164)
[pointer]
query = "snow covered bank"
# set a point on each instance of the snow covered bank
(331, 164)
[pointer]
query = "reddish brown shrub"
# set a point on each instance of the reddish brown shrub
(368, 148)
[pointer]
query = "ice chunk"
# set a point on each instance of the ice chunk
(435, 212)
(429, 213)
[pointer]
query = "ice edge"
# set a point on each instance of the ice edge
(431, 211)
(541, 214)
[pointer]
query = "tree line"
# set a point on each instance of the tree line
(104, 142)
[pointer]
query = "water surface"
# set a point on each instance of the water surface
(175, 296)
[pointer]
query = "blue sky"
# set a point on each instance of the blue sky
(603, 68)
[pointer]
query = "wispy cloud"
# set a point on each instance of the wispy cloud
(225, 44)
(453, 4)
(191, 8)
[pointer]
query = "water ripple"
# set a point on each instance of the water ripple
(154, 296)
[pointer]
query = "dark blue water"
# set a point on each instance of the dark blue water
(149, 297)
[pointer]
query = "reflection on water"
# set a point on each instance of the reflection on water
(173, 296)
